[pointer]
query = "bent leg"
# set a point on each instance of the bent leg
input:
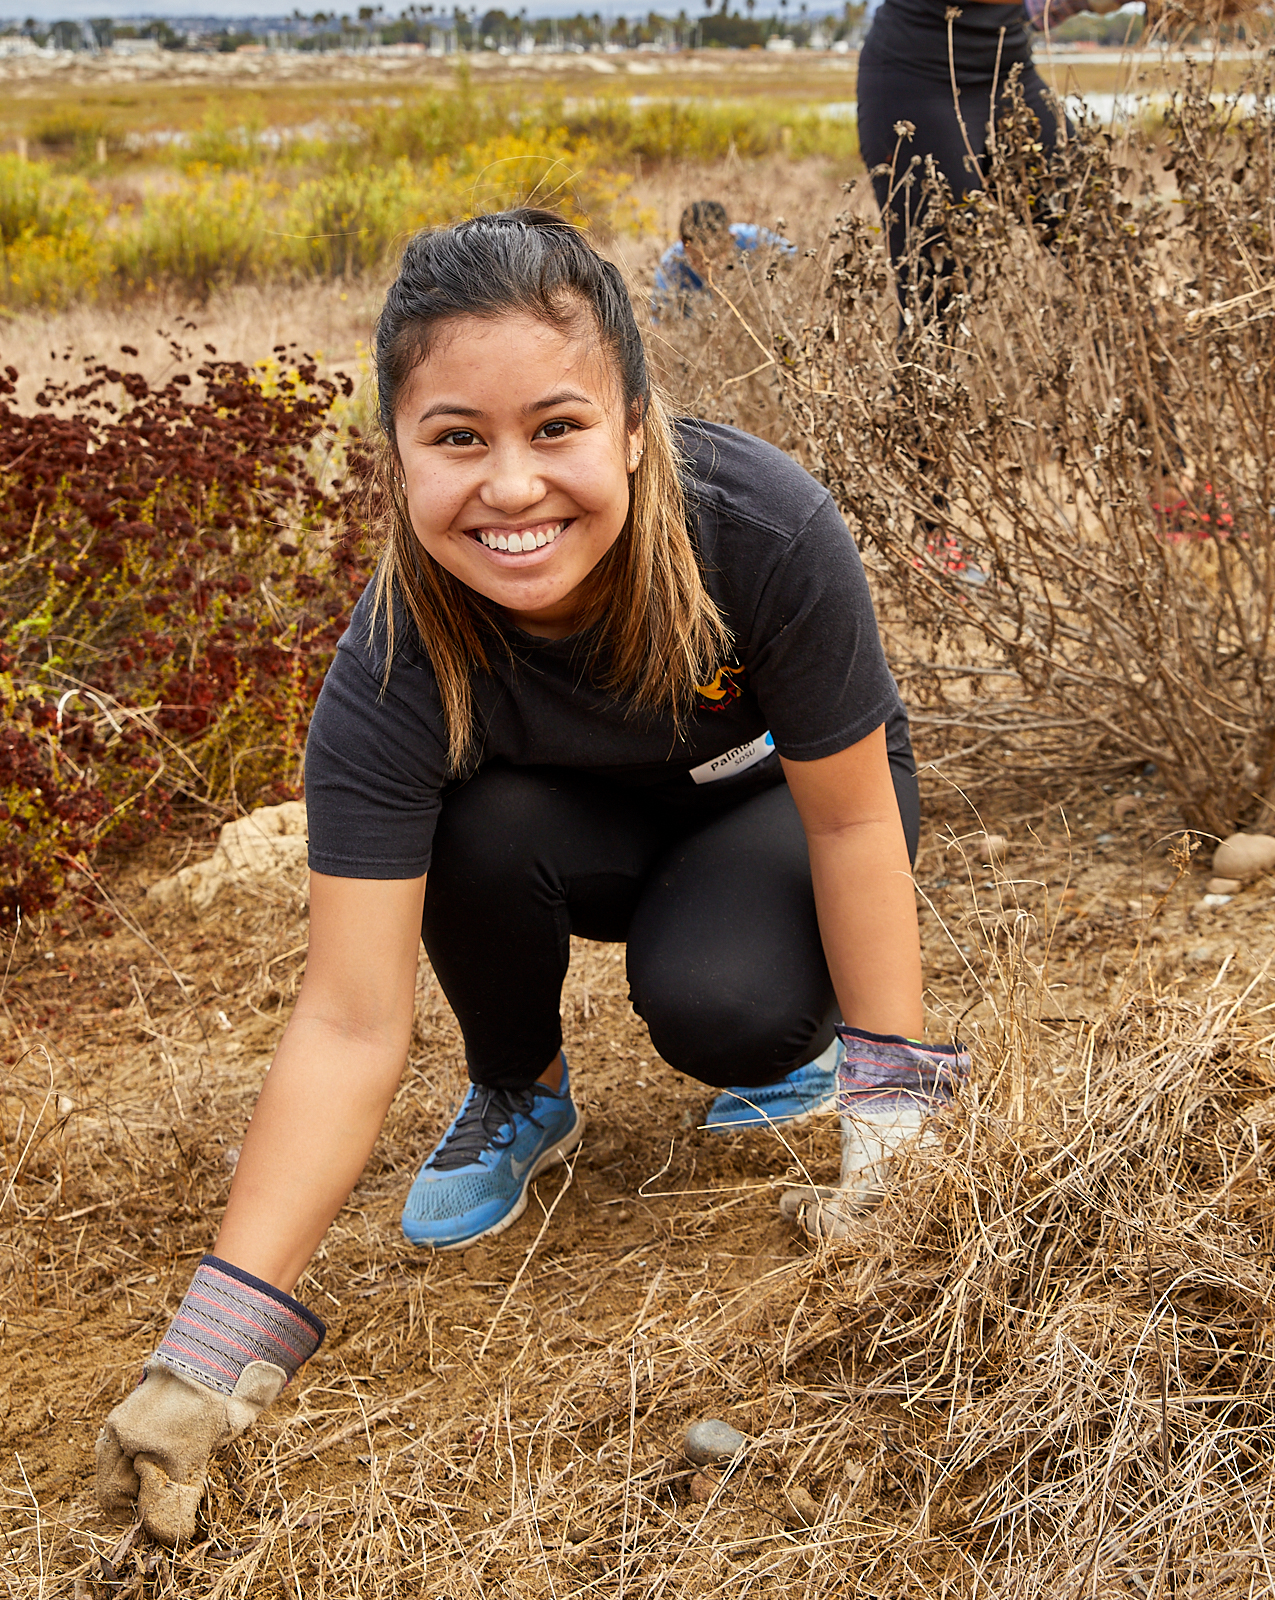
(523, 858)
(725, 962)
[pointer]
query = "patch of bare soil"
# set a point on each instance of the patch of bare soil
(507, 1420)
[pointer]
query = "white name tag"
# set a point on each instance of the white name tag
(733, 761)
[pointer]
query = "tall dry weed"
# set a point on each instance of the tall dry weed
(1064, 476)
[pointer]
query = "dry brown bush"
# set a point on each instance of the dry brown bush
(1108, 349)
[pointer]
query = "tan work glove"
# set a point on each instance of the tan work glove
(887, 1090)
(233, 1345)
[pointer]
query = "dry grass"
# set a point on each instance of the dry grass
(1045, 1367)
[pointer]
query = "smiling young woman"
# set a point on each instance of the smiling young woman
(619, 676)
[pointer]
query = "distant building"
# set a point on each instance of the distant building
(135, 47)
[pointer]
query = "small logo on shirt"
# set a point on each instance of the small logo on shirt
(730, 762)
(725, 686)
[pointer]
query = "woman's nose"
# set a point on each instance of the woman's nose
(512, 482)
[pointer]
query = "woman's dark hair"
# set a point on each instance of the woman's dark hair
(527, 260)
(657, 632)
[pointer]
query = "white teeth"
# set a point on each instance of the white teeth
(518, 543)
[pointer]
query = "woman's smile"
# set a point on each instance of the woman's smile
(522, 540)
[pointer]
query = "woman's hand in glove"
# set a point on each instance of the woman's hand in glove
(233, 1345)
(887, 1089)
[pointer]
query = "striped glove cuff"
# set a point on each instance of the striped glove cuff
(229, 1319)
(878, 1071)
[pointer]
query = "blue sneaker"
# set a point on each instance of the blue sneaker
(803, 1094)
(475, 1182)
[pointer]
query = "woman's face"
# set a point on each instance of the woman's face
(516, 454)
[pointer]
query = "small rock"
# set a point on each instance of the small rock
(231, 1156)
(578, 1532)
(1244, 856)
(268, 841)
(1213, 901)
(858, 1482)
(1124, 804)
(623, 1215)
(1223, 886)
(794, 1201)
(709, 1441)
(703, 1487)
(991, 847)
(65, 1105)
(1105, 838)
(803, 1506)
(474, 1261)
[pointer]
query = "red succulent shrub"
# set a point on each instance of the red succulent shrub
(173, 581)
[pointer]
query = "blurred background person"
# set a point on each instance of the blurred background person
(709, 244)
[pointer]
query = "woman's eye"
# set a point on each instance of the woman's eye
(459, 438)
(557, 430)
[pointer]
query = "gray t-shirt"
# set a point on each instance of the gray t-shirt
(806, 677)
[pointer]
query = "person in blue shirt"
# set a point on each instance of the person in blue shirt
(709, 244)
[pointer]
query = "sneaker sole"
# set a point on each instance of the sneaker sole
(554, 1154)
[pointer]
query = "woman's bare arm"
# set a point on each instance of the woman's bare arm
(332, 1078)
(863, 885)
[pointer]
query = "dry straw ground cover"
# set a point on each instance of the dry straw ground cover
(1045, 1366)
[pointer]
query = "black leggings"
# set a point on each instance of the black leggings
(890, 94)
(725, 962)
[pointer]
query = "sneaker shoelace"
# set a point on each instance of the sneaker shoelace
(478, 1127)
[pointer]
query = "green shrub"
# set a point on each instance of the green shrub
(213, 144)
(353, 222)
(347, 223)
(211, 232)
(50, 235)
(691, 130)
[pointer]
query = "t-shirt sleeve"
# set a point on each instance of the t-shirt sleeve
(815, 658)
(375, 766)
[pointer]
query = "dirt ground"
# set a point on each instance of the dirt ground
(507, 1419)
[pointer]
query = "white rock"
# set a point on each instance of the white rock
(711, 1441)
(1223, 886)
(262, 844)
(992, 847)
(1244, 856)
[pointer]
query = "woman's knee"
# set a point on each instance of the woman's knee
(726, 1033)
